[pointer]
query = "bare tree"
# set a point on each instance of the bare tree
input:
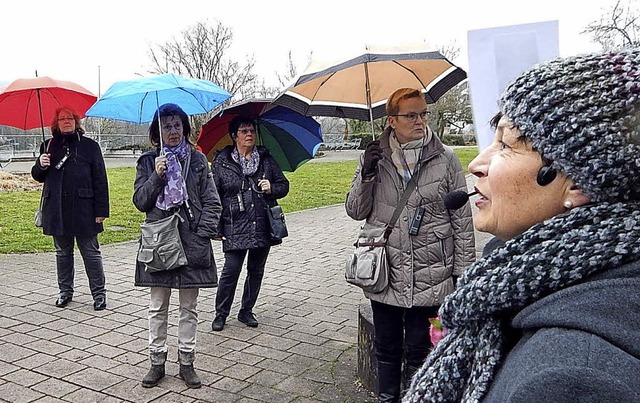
(618, 27)
(454, 107)
(202, 52)
(283, 79)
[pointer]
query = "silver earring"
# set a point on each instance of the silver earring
(567, 204)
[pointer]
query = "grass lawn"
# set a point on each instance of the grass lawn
(312, 185)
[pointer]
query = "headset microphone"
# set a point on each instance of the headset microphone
(456, 199)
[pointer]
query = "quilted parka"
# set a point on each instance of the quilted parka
(244, 223)
(421, 266)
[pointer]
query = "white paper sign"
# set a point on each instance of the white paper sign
(496, 57)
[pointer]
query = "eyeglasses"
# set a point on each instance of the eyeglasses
(247, 131)
(65, 119)
(412, 117)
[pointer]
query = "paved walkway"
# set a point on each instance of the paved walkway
(303, 351)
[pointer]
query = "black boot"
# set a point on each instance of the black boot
(389, 374)
(187, 373)
(156, 373)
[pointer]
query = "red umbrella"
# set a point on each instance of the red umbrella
(28, 103)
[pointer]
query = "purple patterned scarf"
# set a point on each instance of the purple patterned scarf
(175, 191)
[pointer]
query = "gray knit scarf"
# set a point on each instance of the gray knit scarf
(552, 255)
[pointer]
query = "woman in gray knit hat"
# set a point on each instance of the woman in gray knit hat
(552, 315)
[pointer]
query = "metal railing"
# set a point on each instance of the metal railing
(28, 145)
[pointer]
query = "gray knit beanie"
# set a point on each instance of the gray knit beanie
(583, 114)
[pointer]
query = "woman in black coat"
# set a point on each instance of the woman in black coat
(160, 190)
(75, 203)
(249, 181)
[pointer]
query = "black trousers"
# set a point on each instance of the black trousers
(233, 260)
(92, 257)
(402, 333)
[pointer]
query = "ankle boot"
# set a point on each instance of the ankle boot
(189, 376)
(389, 374)
(187, 373)
(156, 373)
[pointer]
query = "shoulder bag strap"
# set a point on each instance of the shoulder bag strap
(403, 200)
(186, 174)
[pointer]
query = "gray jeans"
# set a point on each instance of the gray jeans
(159, 318)
(90, 250)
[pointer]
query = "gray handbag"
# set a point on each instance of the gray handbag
(368, 266)
(160, 243)
(38, 216)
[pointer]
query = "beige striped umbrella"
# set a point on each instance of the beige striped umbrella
(358, 88)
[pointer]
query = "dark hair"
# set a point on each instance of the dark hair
(55, 128)
(238, 121)
(169, 110)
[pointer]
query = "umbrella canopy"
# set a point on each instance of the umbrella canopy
(137, 100)
(291, 137)
(28, 103)
(358, 88)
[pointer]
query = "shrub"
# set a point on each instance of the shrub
(453, 140)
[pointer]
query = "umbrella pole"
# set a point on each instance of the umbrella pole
(368, 95)
(159, 125)
(40, 110)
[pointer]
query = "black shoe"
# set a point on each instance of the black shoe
(248, 318)
(100, 303)
(218, 323)
(153, 377)
(61, 302)
(189, 376)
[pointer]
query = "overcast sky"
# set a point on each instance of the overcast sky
(68, 39)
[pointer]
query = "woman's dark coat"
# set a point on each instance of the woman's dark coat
(78, 192)
(196, 235)
(248, 229)
(579, 344)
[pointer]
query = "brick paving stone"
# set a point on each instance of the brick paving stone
(59, 368)
(25, 377)
(55, 387)
(14, 393)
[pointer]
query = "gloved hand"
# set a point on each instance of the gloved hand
(372, 155)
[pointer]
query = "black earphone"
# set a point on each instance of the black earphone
(546, 175)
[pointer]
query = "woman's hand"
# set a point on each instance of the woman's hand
(161, 165)
(100, 220)
(45, 160)
(265, 185)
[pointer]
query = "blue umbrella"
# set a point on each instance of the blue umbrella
(137, 100)
(291, 137)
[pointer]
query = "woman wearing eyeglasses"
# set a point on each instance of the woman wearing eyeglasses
(249, 181)
(75, 203)
(424, 262)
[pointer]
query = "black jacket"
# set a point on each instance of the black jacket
(580, 344)
(247, 227)
(78, 192)
(195, 234)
